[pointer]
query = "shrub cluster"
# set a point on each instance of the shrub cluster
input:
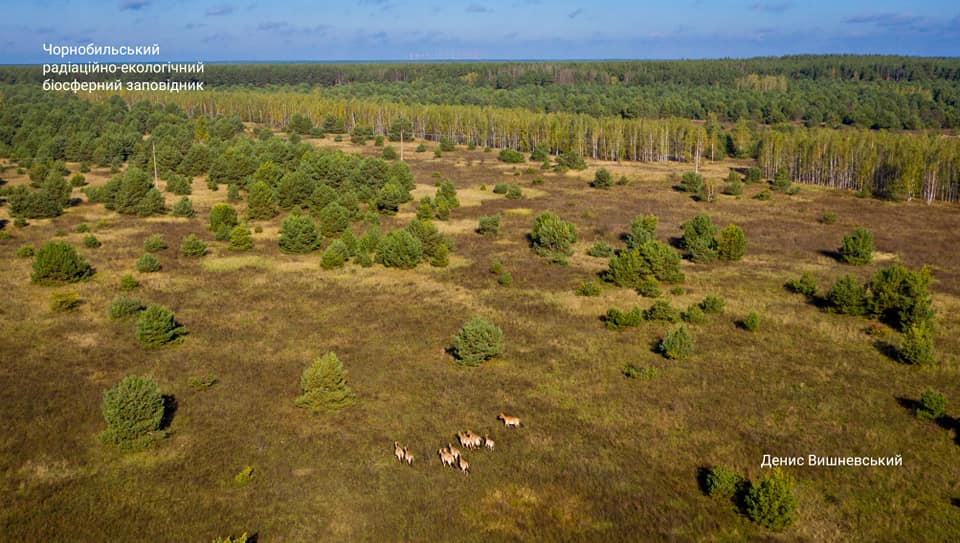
(677, 344)
(489, 225)
(133, 411)
(478, 340)
(511, 157)
(157, 326)
(552, 236)
(192, 246)
(58, 262)
(857, 248)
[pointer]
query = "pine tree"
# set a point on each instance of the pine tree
(324, 385)
(240, 238)
(298, 234)
(261, 202)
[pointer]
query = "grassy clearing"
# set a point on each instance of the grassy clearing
(601, 457)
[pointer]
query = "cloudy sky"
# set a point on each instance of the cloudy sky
(452, 29)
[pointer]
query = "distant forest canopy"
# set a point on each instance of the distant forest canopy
(863, 91)
(39, 127)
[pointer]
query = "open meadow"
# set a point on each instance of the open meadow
(600, 456)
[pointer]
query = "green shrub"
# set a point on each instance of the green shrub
(261, 205)
(244, 476)
(505, 279)
(782, 183)
(489, 225)
(589, 288)
(500, 188)
(618, 320)
(378, 141)
(399, 249)
(828, 217)
(78, 180)
(900, 296)
(154, 243)
(123, 307)
(917, 345)
(752, 322)
(722, 482)
(389, 198)
(643, 229)
(202, 382)
(640, 268)
(335, 256)
(157, 326)
(241, 239)
(514, 192)
(602, 179)
(764, 195)
(426, 209)
(933, 405)
(389, 153)
(511, 157)
(58, 262)
(133, 411)
(128, 282)
(447, 145)
(81, 228)
(233, 192)
(25, 251)
(20, 222)
(183, 208)
(421, 148)
(600, 249)
(571, 160)
(677, 344)
(91, 242)
(753, 175)
(661, 311)
(437, 153)
(857, 248)
(61, 302)
(712, 304)
(633, 371)
(441, 258)
(691, 182)
(334, 218)
(222, 216)
(477, 341)
(694, 315)
(699, 239)
(806, 285)
(179, 185)
(446, 192)
(733, 186)
(552, 236)
(428, 235)
(192, 246)
(298, 234)
(770, 502)
(847, 296)
(324, 385)
(496, 267)
(731, 243)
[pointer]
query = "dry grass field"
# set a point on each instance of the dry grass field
(600, 457)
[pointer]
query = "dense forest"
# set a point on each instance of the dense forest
(862, 91)
(686, 111)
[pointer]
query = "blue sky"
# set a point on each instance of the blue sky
(224, 30)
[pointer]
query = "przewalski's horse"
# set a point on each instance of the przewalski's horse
(509, 422)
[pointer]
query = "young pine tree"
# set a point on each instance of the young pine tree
(324, 385)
